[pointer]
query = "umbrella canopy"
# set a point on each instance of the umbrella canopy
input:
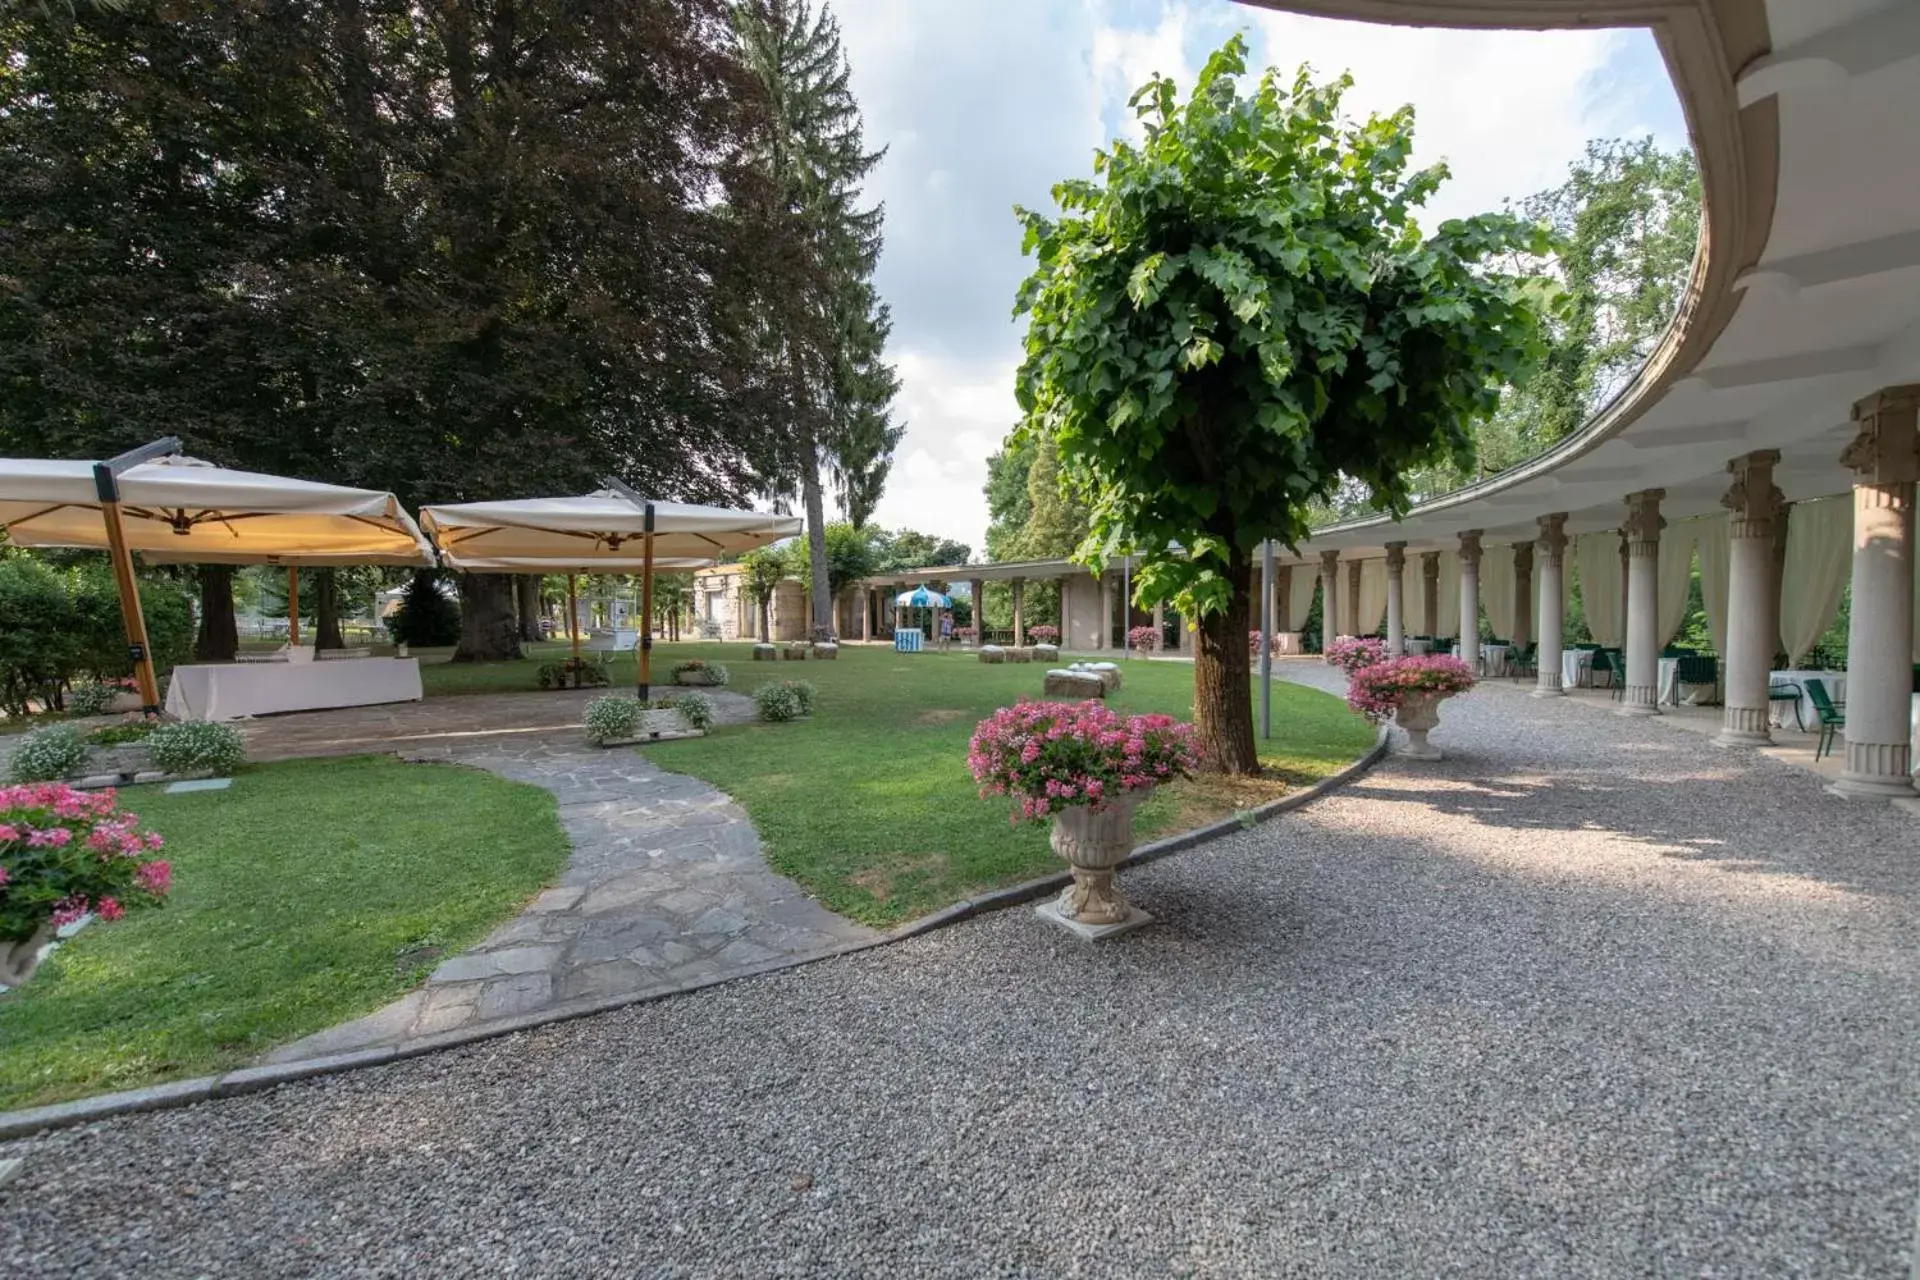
(597, 529)
(179, 509)
(921, 598)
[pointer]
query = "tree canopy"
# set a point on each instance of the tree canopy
(1241, 314)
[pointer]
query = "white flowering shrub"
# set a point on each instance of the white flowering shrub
(190, 746)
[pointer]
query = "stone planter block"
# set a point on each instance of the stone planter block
(1046, 653)
(1074, 684)
(826, 652)
(992, 653)
(765, 653)
(1019, 655)
(695, 679)
(657, 726)
(794, 653)
(1106, 672)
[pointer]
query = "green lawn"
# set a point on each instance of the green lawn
(307, 894)
(870, 805)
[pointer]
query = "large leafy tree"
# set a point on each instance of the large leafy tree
(824, 326)
(473, 249)
(1240, 314)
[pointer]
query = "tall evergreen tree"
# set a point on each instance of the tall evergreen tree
(826, 325)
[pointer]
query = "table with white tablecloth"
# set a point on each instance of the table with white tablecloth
(1574, 666)
(1688, 694)
(1493, 658)
(1419, 648)
(232, 691)
(1834, 681)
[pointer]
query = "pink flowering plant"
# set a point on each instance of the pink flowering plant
(1350, 654)
(66, 853)
(1143, 639)
(1044, 633)
(1377, 691)
(1050, 756)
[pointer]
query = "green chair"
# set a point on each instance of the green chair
(1694, 669)
(1786, 691)
(1524, 662)
(1832, 721)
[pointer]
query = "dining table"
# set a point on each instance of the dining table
(237, 690)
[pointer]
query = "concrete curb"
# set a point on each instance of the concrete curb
(180, 1093)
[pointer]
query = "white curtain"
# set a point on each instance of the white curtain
(1496, 589)
(1373, 595)
(1449, 593)
(1674, 578)
(1819, 563)
(1306, 579)
(1712, 544)
(1596, 558)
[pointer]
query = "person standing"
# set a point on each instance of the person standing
(946, 630)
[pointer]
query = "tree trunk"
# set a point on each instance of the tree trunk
(488, 632)
(766, 619)
(1223, 679)
(326, 613)
(810, 492)
(219, 637)
(527, 588)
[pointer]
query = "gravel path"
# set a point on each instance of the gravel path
(1587, 998)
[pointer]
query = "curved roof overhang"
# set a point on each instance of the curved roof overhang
(1805, 291)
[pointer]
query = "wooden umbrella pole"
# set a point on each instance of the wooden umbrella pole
(646, 610)
(107, 486)
(293, 606)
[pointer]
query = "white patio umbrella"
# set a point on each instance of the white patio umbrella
(598, 532)
(176, 509)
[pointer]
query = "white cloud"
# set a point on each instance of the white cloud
(988, 103)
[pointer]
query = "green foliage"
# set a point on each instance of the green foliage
(47, 754)
(588, 671)
(851, 556)
(59, 626)
(761, 572)
(612, 718)
(783, 700)
(1242, 314)
(715, 673)
(92, 699)
(911, 549)
(426, 617)
(193, 746)
(133, 729)
(696, 708)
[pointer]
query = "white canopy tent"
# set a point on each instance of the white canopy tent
(174, 509)
(598, 532)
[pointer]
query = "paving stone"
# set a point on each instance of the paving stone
(514, 995)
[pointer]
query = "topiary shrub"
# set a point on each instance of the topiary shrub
(783, 700)
(612, 719)
(47, 754)
(91, 699)
(695, 708)
(426, 615)
(191, 746)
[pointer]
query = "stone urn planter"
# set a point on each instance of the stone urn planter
(765, 653)
(695, 678)
(18, 960)
(1094, 842)
(1419, 714)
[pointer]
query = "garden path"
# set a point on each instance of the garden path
(665, 890)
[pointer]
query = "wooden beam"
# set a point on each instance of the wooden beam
(293, 606)
(107, 486)
(646, 610)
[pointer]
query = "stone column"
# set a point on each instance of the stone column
(1104, 587)
(865, 597)
(1063, 611)
(1351, 600)
(1751, 624)
(1642, 531)
(1019, 612)
(1885, 461)
(1777, 574)
(1429, 593)
(1470, 598)
(1329, 599)
(1550, 558)
(1522, 595)
(1282, 600)
(979, 589)
(1396, 622)
(1159, 626)
(1626, 601)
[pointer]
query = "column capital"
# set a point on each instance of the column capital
(1523, 558)
(1329, 561)
(1470, 548)
(1553, 536)
(1641, 530)
(1396, 556)
(1752, 497)
(1430, 564)
(1887, 448)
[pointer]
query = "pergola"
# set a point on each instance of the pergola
(1790, 376)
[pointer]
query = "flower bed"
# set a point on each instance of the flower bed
(1050, 756)
(699, 672)
(1377, 690)
(1044, 633)
(574, 673)
(64, 855)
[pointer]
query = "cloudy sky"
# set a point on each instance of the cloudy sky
(984, 104)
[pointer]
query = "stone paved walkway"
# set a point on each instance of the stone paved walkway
(665, 889)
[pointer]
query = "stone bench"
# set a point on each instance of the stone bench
(795, 652)
(1074, 684)
(992, 653)
(826, 650)
(1046, 653)
(765, 653)
(1106, 672)
(1019, 655)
